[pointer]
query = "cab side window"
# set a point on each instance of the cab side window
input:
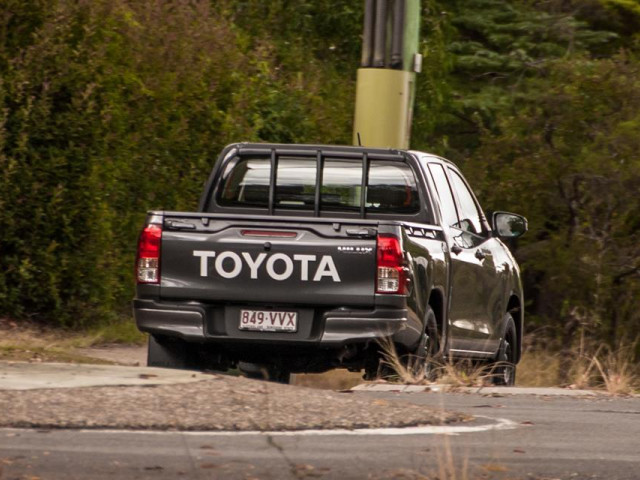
(447, 203)
(469, 213)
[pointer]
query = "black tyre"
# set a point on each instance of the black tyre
(423, 361)
(270, 373)
(169, 353)
(377, 367)
(504, 366)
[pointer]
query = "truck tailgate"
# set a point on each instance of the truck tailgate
(245, 261)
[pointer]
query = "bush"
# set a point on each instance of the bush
(109, 108)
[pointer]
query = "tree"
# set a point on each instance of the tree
(493, 48)
(568, 159)
(110, 108)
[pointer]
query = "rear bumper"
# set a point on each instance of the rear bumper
(204, 323)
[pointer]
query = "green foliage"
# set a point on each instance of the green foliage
(19, 19)
(433, 92)
(568, 159)
(538, 104)
(111, 108)
(302, 31)
(492, 47)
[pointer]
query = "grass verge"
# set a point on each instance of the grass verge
(28, 341)
(596, 367)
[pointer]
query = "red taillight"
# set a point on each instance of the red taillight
(148, 261)
(391, 276)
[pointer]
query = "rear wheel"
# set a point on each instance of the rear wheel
(167, 352)
(423, 360)
(420, 364)
(504, 367)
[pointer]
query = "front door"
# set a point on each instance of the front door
(475, 292)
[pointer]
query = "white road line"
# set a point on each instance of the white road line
(501, 424)
(497, 424)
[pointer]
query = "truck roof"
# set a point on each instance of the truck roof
(306, 148)
(309, 146)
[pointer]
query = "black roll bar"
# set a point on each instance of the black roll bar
(363, 187)
(272, 181)
(319, 170)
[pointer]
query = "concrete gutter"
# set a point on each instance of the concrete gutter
(30, 376)
(495, 391)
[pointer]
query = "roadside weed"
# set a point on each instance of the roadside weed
(618, 374)
(447, 468)
(407, 369)
(465, 373)
(404, 369)
(587, 366)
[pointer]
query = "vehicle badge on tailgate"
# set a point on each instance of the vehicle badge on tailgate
(356, 250)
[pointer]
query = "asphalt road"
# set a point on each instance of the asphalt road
(517, 437)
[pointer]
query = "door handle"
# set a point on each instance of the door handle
(480, 255)
(179, 225)
(361, 232)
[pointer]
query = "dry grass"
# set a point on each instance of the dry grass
(451, 466)
(456, 374)
(26, 341)
(538, 369)
(608, 370)
(617, 373)
(400, 369)
(447, 468)
(332, 380)
(465, 373)
(600, 368)
(589, 367)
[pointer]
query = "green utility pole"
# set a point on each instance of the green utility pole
(385, 87)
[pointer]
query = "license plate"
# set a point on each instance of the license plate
(268, 321)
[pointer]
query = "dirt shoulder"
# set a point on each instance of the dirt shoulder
(31, 342)
(130, 355)
(221, 402)
(35, 342)
(218, 403)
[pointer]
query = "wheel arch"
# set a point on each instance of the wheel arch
(437, 304)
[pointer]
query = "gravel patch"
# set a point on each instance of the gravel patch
(221, 403)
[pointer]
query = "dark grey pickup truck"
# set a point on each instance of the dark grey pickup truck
(304, 258)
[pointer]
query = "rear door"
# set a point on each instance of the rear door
(231, 259)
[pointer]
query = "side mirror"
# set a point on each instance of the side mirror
(508, 225)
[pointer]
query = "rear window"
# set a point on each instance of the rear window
(392, 188)
(246, 183)
(391, 185)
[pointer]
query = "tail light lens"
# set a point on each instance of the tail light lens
(148, 261)
(391, 276)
